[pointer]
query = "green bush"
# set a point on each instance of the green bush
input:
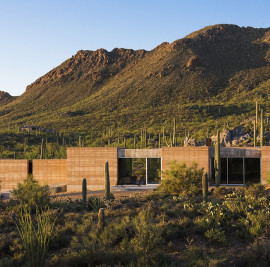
(215, 235)
(95, 203)
(181, 180)
(222, 190)
(255, 191)
(31, 193)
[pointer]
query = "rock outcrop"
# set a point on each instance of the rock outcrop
(189, 141)
(235, 137)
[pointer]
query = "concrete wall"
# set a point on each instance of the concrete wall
(265, 163)
(237, 152)
(88, 162)
(188, 155)
(50, 171)
(139, 153)
(12, 172)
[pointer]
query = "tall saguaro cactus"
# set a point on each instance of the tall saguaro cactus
(42, 149)
(174, 131)
(262, 129)
(25, 145)
(84, 192)
(256, 115)
(217, 160)
(107, 182)
(205, 187)
(163, 136)
(254, 134)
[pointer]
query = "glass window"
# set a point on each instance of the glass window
(235, 168)
(252, 170)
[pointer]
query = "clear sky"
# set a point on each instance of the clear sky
(38, 35)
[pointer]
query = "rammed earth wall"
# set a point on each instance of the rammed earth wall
(88, 162)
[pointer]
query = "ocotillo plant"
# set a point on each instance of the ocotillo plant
(101, 219)
(205, 187)
(107, 182)
(217, 160)
(254, 137)
(84, 192)
(25, 145)
(262, 129)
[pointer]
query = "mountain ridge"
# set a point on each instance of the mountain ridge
(216, 63)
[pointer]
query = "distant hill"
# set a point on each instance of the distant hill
(5, 98)
(212, 76)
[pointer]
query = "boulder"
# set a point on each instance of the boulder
(190, 142)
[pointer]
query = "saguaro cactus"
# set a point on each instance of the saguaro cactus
(145, 139)
(254, 137)
(205, 187)
(42, 149)
(174, 131)
(25, 145)
(256, 115)
(217, 160)
(163, 135)
(84, 192)
(107, 182)
(101, 219)
(262, 129)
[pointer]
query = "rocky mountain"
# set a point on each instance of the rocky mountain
(5, 98)
(191, 78)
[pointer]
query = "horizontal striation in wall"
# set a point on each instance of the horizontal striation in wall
(265, 164)
(89, 163)
(50, 171)
(12, 172)
(189, 155)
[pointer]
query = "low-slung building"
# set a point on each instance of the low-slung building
(238, 165)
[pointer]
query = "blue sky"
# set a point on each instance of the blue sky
(36, 36)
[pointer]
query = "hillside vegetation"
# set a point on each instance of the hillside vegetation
(209, 78)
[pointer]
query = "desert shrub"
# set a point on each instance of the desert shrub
(255, 191)
(257, 222)
(121, 242)
(31, 193)
(258, 254)
(222, 190)
(180, 179)
(94, 203)
(215, 235)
